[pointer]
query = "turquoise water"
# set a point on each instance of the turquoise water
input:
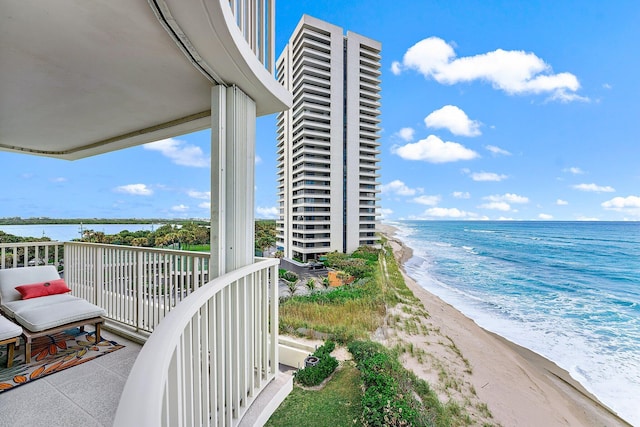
(569, 291)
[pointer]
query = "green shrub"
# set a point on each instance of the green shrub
(314, 375)
(356, 266)
(290, 276)
(362, 350)
(368, 253)
(389, 390)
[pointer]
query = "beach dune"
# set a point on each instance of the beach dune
(497, 381)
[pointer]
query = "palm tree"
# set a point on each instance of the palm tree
(311, 285)
(292, 286)
(185, 236)
(171, 238)
(140, 241)
(326, 282)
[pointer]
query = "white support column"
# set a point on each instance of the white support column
(240, 185)
(218, 180)
(233, 135)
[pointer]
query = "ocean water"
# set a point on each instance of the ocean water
(569, 291)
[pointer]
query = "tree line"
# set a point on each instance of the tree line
(176, 236)
(16, 220)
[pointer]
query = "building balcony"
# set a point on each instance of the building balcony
(317, 220)
(369, 70)
(154, 70)
(172, 319)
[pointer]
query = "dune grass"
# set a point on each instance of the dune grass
(385, 393)
(347, 313)
(344, 322)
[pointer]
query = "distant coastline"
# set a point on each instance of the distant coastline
(54, 221)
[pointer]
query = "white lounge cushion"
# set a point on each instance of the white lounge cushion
(8, 329)
(50, 316)
(12, 277)
(13, 307)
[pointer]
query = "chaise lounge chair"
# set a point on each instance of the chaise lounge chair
(9, 335)
(39, 301)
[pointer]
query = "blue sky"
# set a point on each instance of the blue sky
(490, 110)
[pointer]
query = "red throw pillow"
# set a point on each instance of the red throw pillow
(43, 289)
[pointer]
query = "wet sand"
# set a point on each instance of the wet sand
(468, 364)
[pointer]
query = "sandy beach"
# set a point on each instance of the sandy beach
(497, 381)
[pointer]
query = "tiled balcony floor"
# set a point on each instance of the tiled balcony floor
(86, 395)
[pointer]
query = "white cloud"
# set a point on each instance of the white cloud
(497, 150)
(629, 204)
(502, 202)
(545, 216)
(499, 206)
(434, 150)
(594, 188)
(587, 218)
(180, 152)
(565, 97)
(448, 213)
(205, 205)
(487, 176)
(267, 212)
(406, 134)
(574, 170)
(454, 119)
(385, 213)
(400, 188)
(258, 159)
(396, 68)
(180, 208)
(507, 197)
(427, 200)
(135, 189)
(59, 179)
(512, 71)
(461, 194)
(607, 86)
(561, 202)
(204, 195)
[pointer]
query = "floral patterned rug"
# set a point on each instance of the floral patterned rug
(51, 354)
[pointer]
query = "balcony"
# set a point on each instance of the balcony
(154, 70)
(209, 344)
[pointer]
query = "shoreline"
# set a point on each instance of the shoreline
(519, 386)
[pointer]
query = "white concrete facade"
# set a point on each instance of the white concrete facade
(328, 156)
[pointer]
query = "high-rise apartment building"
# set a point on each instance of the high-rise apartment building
(328, 150)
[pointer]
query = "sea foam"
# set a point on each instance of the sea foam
(568, 291)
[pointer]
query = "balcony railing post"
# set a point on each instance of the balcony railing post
(139, 287)
(274, 300)
(98, 285)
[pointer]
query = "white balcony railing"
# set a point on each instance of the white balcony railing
(136, 286)
(256, 21)
(210, 357)
(216, 348)
(22, 254)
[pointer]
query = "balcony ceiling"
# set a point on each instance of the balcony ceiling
(79, 78)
